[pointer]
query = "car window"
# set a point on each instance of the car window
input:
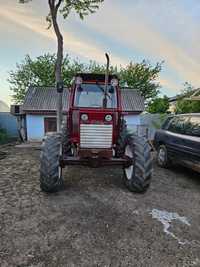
(178, 124)
(193, 126)
(166, 123)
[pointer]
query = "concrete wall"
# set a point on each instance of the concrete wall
(145, 124)
(35, 127)
(9, 123)
(132, 122)
(153, 122)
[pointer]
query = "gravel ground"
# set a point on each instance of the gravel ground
(95, 220)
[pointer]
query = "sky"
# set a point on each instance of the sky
(129, 30)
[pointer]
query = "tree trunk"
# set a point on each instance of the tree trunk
(59, 60)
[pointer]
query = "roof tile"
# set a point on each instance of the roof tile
(45, 99)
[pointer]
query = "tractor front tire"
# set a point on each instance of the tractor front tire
(138, 175)
(50, 170)
(66, 147)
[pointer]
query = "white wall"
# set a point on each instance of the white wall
(35, 127)
(154, 122)
(132, 122)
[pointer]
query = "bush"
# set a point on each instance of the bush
(3, 136)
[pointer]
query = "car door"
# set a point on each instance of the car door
(192, 137)
(176, 143)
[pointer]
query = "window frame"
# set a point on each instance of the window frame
(99, 107)
(46, 123)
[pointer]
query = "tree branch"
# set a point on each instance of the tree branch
(51, 2)
(53, 12)
(58, 4)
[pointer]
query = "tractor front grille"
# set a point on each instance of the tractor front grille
(96, 135)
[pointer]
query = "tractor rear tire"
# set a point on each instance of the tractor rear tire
(50, 170)
(137, 176)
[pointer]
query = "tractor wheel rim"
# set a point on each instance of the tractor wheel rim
(129, 170)
(161, 155)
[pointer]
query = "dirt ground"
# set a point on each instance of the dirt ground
(95, 220)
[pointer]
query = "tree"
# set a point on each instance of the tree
(82, 8)
(187, 106)
(159, 105)
(142, 76)
(40, 72)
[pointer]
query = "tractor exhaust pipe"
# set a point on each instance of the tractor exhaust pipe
(106, 80)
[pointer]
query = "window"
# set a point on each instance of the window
(50, 124)
(178, 124)
(193, 126)
(166, 123)
(92, 95)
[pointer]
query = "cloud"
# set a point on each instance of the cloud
(169, 83)
(74, 44)
(127, 26)
(135, 31)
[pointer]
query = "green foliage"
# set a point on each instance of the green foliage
(157, 123)
(81, 7)
(142, 76)
(40, 72)
(187, 106)
(159, 105)
(3, 136)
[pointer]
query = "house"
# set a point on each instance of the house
(192, 95)
(38, 112)
(172, 103)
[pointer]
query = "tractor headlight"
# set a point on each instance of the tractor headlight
(114, 82)
(108, 118)
(84, 117)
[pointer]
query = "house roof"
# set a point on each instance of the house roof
(44, 99)
(132, 100)
(194, 92)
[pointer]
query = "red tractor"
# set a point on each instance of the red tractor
(95, 134)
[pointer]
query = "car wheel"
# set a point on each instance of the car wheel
(162, 157)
